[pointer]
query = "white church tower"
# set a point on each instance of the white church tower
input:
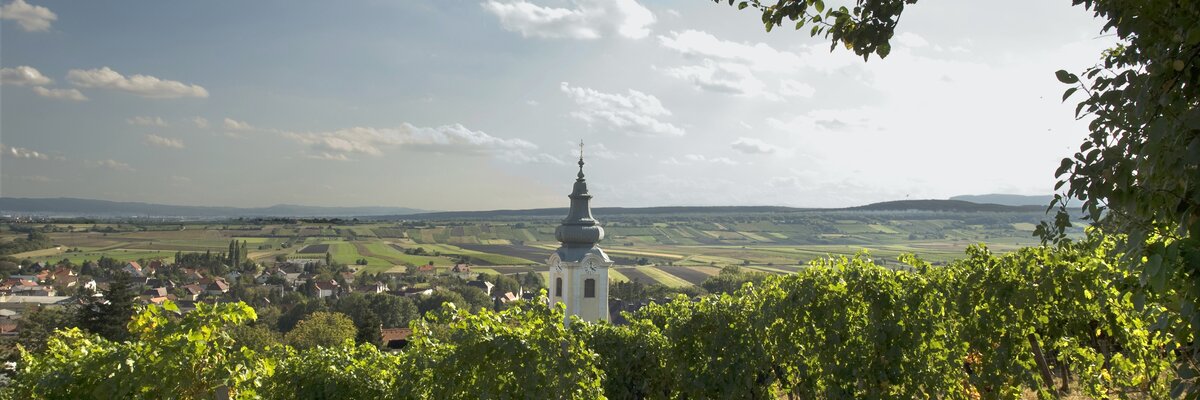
(579, 269)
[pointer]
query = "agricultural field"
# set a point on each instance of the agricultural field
(674, 250)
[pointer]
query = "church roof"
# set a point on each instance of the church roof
(579, 229)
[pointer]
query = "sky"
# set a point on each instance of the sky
(476, 105)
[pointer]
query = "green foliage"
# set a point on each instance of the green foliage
(322, 329)
(1136, 173)
(372, 311)
(522, 352)
(107, 315)
(38, 325)
(730, 279)
(865, 28)
(33, 241)
(187, 357)
(440, 296)
(632, 357)
(342, 372)
(257, 337)
(842, 328)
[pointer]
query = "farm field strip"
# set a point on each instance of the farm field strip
(496, 259)
(416, 259)
(635, 274)
(688, 274)
(662, 276)
(644, 253)
(614, 275)
(314, 249)
(773, 270)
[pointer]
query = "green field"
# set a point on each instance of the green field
(704, 243)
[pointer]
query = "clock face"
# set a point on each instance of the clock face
(591, 265)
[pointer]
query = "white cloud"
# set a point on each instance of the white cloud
(597, 150)
(19, 152)
(235, 125)
(160, 141)
(114, 165)
(759, 56)
(793, 88)
(635, 113)
(141, 85)
(180, 180)
(850, 120)
(31, 18)
(520, 157)
(60, 94)
(721, 77)
(341, 144)
(753, 146)
(587, 19)
(911, 40)
(147, 121)
(691, 159)
(23, 76)
(37, 179)
(200, 122)
(740, 68)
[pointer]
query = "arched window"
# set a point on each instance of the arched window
(558, 287)
(589, 288)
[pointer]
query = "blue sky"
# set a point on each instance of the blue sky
(464, 104)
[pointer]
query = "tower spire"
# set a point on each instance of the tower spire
(579, 229)
(580, 159)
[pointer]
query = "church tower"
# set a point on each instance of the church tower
(579, 269)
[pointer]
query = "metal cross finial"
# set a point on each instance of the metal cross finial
(580, 158)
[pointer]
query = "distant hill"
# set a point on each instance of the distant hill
(562, 212)
(72, 207)
(103, 208)
(903, 205)
(1007, 199)
(945, 205)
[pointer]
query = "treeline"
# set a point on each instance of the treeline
(35, 240)
(985, 326)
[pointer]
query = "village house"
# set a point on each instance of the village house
(507, 297)
(217, 287)
(394, 338)
(193, 291)
(133, 269)
(325, 289)
(461, 269)
(413, 292)
(485, 286)
(427, 269)
(377, 287)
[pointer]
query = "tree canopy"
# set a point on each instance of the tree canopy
(1138, 172)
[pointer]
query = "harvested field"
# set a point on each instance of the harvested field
(636, 275)
(689, 274)
(314, 249)
(524, 252)
(516, 269)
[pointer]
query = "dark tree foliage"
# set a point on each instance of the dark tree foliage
(38, 325)
(33, 241)
(375, 310)
(1138, 172)
(108, 315)
(731, 279)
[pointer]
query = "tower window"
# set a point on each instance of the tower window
(589, 288)
(558, 287)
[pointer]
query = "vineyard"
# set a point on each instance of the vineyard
(1049, 321)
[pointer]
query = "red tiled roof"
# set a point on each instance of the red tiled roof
(390, 334)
